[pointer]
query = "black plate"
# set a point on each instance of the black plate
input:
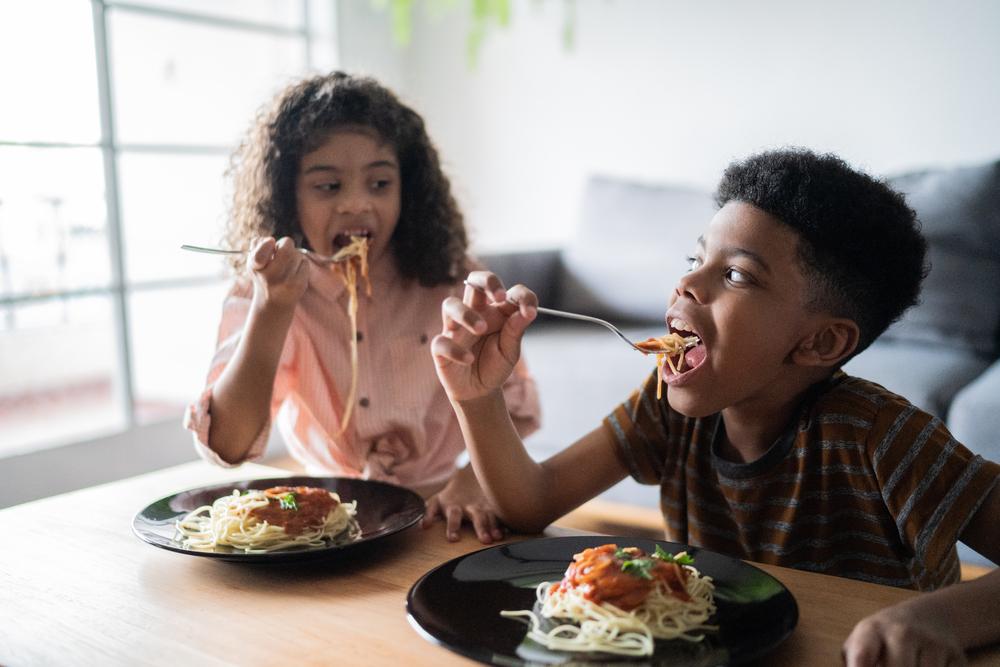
(383, 510)
(458, 605)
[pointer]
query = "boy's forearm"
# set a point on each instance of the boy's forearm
(241, 398)
(971, 609)
(511, 479)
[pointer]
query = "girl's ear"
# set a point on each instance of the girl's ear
(828, 345)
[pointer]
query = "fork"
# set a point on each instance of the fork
(314, 256)
(594, 320)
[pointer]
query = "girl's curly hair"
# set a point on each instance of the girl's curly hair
(430, 241)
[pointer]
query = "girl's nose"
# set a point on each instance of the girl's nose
(354, 203)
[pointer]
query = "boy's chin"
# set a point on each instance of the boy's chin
(689, 408)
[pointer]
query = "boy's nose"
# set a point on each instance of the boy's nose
(687, 286)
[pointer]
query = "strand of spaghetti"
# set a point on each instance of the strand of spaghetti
(355, 261)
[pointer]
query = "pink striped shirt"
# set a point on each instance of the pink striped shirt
(403, 429)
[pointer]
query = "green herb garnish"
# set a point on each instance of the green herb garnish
(683, 559)
(638, 567)
(287, 502)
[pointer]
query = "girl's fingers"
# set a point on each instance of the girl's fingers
(480, 523)
(431, 511)
(453, 522)
(262, 250)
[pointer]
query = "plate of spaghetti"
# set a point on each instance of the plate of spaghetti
(601, 599)
(278, 519)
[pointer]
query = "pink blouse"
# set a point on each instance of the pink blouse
(403, 429)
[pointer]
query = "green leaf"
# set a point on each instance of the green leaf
(638, 567)
(287, 502)
(668, 557)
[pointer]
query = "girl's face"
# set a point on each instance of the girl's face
(745, 298)
(349, 186)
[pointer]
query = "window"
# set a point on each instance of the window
(117, 123)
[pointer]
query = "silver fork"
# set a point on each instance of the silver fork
(690, 341)
(314, 256)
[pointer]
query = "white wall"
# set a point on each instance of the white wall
(663, 90)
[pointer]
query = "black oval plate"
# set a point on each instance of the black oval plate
(458, 605)
(383, 510)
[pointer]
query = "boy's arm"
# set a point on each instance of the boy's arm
(530, 495)
(475, 353)
(936, 628)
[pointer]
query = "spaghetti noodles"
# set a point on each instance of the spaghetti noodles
(664, 347)
(350, 261)
(619, 601)
(281, 517)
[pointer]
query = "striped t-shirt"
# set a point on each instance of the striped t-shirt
(864, 485)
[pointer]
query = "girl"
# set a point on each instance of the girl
(337, 157)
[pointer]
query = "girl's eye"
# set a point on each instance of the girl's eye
(693, 262)
(381, 184)
(737, 277)
(328, 187)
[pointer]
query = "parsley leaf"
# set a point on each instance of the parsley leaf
(287, 502)
(638, 567)
(683, 559)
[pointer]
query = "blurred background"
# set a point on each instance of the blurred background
(117, 120)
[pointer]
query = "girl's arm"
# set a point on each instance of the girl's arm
(241, 397)
(474, 355)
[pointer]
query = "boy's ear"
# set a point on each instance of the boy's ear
(829, 344)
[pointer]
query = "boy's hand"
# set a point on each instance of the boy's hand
(463, 499)
(899, 636)
(481, 338)
(280, 272)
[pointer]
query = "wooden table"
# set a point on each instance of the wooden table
(77, 587)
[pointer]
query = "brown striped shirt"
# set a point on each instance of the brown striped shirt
(864, 485)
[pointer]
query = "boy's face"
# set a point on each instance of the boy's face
(350, 185)
(745, 299)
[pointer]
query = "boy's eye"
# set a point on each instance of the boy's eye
(693, 262)
(737, 277)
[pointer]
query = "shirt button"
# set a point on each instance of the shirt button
(423, 339)
(364, 401)
(360, 337)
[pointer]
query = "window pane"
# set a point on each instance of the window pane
(168, 200)
(173, 338)
(53, 232)
(49, 72)
(177, 82)
(283, 13)
(57, 372)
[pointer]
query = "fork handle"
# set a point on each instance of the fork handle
(570, 316)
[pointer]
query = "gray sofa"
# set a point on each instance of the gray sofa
(630, 247)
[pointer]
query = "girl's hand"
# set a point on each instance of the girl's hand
(280, 273)
(899, 636)
(463, 498)
(481, 338)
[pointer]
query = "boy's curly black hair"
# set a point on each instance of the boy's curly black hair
(861, 246)
(430, 240)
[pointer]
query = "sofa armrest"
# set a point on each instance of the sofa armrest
(539, 270)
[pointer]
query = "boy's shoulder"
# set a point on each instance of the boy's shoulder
(865, 404)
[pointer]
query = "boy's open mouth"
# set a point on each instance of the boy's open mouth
(343, 239)
(690, 358)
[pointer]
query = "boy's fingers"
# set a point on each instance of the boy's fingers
(526, 300)
(443, 347)
(457, 315)
(488, 284)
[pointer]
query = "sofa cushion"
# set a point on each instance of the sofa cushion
(630, 248)
(959, 210)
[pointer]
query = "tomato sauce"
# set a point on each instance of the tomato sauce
(313, 504)
(598, 574)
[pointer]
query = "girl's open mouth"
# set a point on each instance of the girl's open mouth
(343, 239)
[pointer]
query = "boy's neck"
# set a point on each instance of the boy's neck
(751, 429)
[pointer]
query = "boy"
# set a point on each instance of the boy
(763, 448)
